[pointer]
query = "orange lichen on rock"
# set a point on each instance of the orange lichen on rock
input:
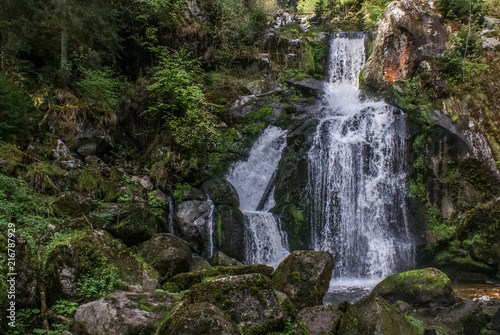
(393, 72)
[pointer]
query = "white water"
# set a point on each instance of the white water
(264, 241)
(357, 177)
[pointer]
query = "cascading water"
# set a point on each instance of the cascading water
(357, 176)
(253, 178)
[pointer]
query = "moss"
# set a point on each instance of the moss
(259, 114)
(10, 159)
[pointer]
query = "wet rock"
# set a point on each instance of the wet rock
(304, 276)
(474, 321)
(194, 219)
(308, 86)
(417, 287)
(373, 315)
(186, 280)
(135, 224)
(319, 320)
(229, 231)
(199, 319)
(221, 192)
(166, 253)
(408, 32)
(122, 313)
(249, 300)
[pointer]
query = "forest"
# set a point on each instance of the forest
(121, 123)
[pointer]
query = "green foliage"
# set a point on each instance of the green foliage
(102, 282)
(152, 199)
(417, 325)
(102, 86)
(374, 10)
(258, 114)
(179, 191)
(461, 9)
(458, 62)
(417, 188)
(65, 308)
(124, 198)
(16, 116)
(290, 328)
(179, 100)
(27, 320)
(254, 128)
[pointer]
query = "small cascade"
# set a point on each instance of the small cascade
(357, 175)
(253, 179)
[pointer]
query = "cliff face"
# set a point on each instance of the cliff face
(408, 33)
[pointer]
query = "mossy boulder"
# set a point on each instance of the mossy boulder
(94, 255)
(185, 280)
(229, 231)
(72, 204)
(199, 319)
(417, 287)
(221, 259)
(318, 320)
(135, 224)
(166, 253)
(249, 300)
(304, 276)
(292, 201)
(474, 321)
(222, 192)
(374, 315)
(123, 313)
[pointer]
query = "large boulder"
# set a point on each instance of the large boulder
(408, 32)
(185, 280)
(221, 259)
(123, 313)
(319, 320)
(417, 287)
(199, 319)
(93, 255)
(304, 276)
(194, 220)
(72, 204)
(221, 192)
(135, 224)
(166, 253)
(249, 300)
(373, 315)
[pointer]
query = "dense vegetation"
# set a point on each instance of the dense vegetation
(161, 80)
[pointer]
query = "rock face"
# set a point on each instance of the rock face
(27, 280)
(408, 32)
(199, 319)
(221, 192)
(249, 300)
(64, 272)
(122, 313)
(319, 320)
(304, 276)
(373, 315)
(417, 287)
(135, 224)
(194, 219)
(167, 254)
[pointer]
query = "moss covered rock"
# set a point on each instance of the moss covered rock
(304, 276)
(373, 315)
(417, 287)
(199, 319)
(249, 300)
(135, 224)
(229, 231)
(166, 253)
(186, 280)
(221, 259)
(123, 313)
(72, 204)
(318, 320)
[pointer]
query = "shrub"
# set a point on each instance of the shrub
(102, 86)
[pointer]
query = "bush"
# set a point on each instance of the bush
(102, 86)
(461, 9)
(17, 117)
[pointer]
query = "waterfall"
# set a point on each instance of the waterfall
(357, 175)
(253, 179)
